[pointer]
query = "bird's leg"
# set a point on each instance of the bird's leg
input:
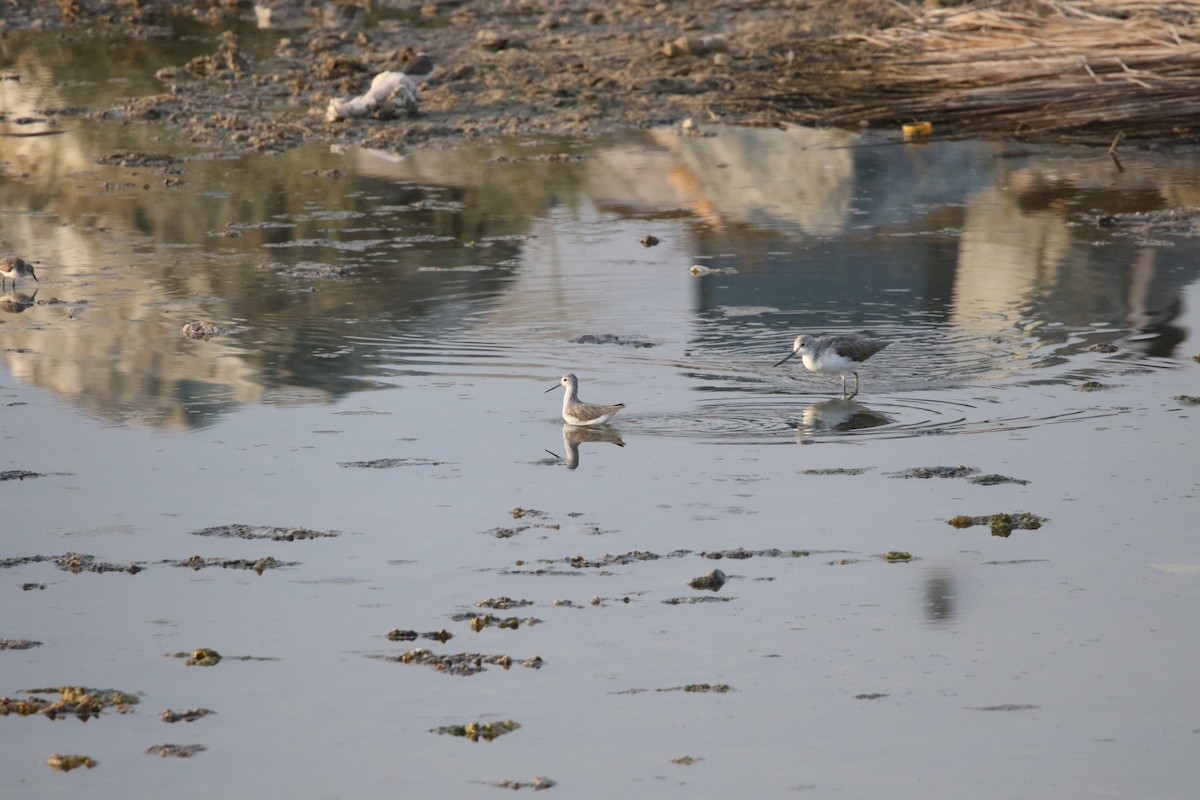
(855, 384)
(843, 386)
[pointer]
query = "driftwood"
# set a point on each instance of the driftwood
(1037, 68)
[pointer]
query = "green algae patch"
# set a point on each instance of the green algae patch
(479, 731)
(1001, 524)
(836, 471)
(77, 701)
(67, 763)
(1187, 399)
(896, 556)
(1091, 386)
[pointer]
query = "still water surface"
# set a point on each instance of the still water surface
(410, 311)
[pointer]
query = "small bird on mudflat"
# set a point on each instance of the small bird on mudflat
(419, 68)
(577, 412)
(12, 267)
(835, 355)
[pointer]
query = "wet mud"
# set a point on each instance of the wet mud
(562, 68)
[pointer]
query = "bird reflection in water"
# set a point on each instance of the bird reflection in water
(16, 302)
(573, 436)
(839, 414)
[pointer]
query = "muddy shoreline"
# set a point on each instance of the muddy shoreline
(526, 69)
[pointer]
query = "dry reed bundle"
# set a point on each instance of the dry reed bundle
(1047, 69)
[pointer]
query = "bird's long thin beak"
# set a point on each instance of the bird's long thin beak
(35, 278)
(552, 388)
(785, 358)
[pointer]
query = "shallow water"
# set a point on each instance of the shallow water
(411, 311)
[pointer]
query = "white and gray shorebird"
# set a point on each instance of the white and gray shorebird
(577, 412)
(12, 267)
(835, 355)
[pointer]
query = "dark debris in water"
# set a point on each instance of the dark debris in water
(992, 479)
(130, 158)
(742, 553)
(691, 688)
(78, 701)
(1001, 524)
(502, 603)
(462, 663)
(480, 621)
(1004, 707)
(870, 696)
(190, 715)
(687, 601)
(207, 657)
(391, 463)
(609, 338)
(278, 534)
(175, 750)
(477, 731)
(1187, 399)
(537, 783)
(836, 471)
(1103, 347)
(81, 562)
(18, 474)
(18, 644)
(201, 330)
(521, 513)
(935, 472)
(400, 635)
(1092, 386)
(258, 565)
